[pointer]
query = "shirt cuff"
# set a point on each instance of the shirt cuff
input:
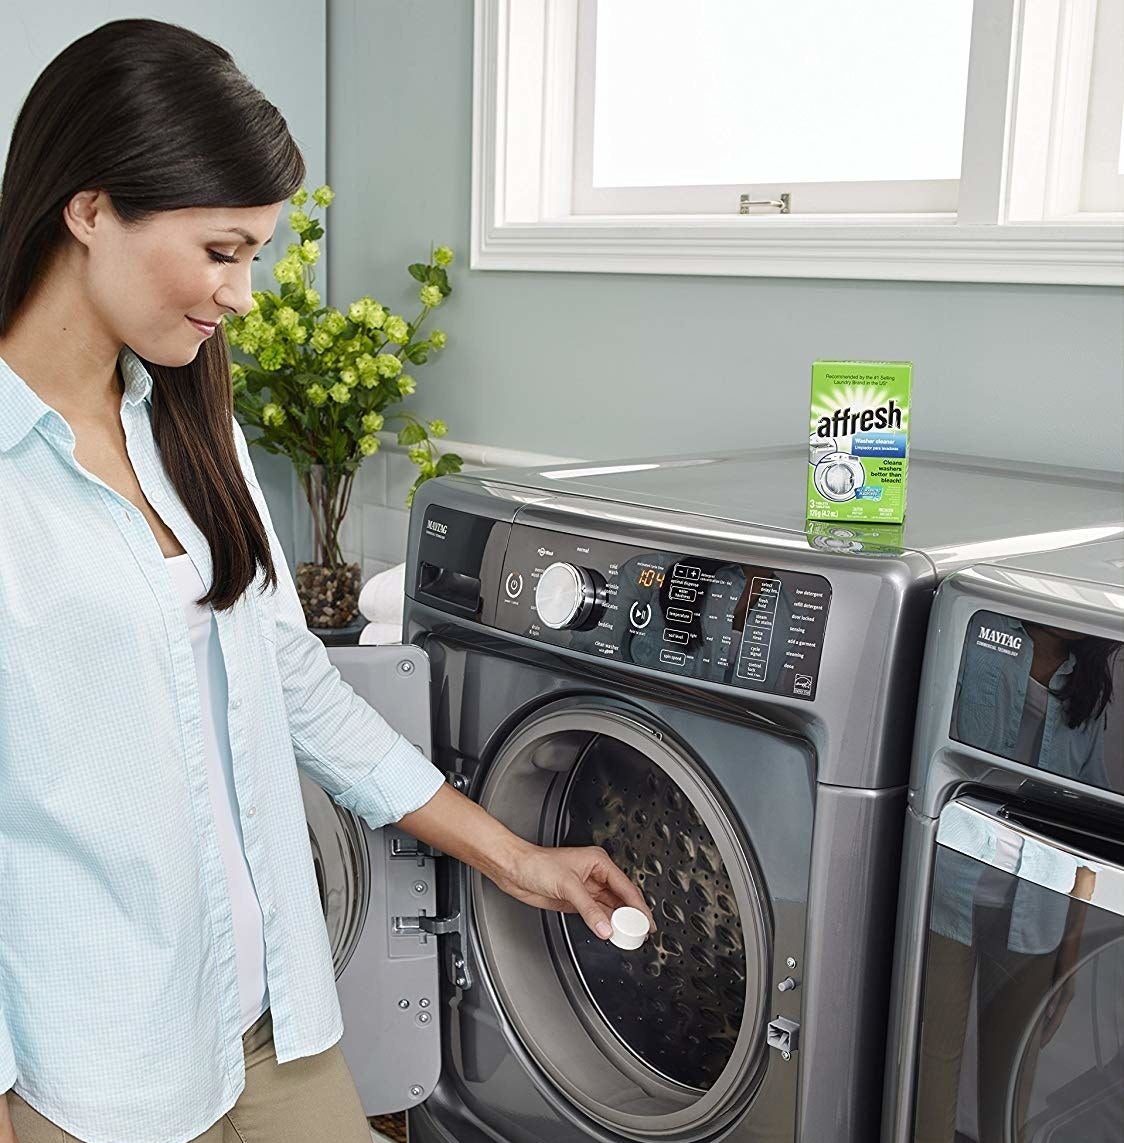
(402, 781)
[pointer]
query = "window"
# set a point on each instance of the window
(843, 108)
(891, 139)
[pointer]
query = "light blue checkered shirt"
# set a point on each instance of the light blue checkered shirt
(119, 1006)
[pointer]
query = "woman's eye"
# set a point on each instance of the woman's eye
(225, 257)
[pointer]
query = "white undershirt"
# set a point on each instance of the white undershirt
(249, 937)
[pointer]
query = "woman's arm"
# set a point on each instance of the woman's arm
(568, 879)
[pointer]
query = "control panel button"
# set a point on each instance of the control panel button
(672, 636)
(513, 585)
(683, 594)
(686, 571)
(674, 658)
(679, 615)
(640, 615)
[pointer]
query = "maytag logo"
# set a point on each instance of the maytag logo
(436, 528)
(1001, 638)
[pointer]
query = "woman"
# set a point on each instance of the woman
(165, 972)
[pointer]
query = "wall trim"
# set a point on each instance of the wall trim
(485, 455)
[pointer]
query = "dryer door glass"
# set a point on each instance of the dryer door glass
(1023, 1022)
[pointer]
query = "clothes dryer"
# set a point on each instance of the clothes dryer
(656, 657)
(1008, 1013)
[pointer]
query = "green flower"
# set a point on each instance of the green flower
(340, 393)
(368, 445)
(321, 340)
(367, 312)
(310, 250)
(272, 357)
(372, 422)
(323, 196)
(419, 455)
(442, 255)
(387, 365)
(438, 428)
(333, 322)
(438, 339)
(396, 329)
(316, 393)
(368, 371)
(299, 221)
(300, 198)
(288, 270)
(300, 335)
(406, 385)
(287, 319)
(272, 414)
(349, 378)
(237, 371)
(312, 299)
(431, 296)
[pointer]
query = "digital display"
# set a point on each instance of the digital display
(649, 577)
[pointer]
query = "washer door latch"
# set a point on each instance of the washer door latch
(784, 1035)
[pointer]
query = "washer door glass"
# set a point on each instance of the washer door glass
(666, 1041)
(1023, 1022)
(677, 1001)
(342, 865)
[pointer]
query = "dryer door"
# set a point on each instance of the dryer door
(375, 885)
(1023, 1026)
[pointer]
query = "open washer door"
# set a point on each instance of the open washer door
(377, 890)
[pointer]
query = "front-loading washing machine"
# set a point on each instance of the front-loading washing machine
(1007, 1022)
(657, 658)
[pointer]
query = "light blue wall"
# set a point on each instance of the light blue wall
(606, 365)
(285, 57)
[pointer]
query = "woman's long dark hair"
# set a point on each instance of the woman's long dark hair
(1087, 689)
(160, 119)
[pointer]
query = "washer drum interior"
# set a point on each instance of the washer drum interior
(665, 1041)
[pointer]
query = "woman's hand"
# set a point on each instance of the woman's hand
(572, 879)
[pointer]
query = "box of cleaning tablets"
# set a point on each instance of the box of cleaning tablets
(858, 443)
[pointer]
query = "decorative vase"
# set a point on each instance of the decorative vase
(328, 588)
(329, 595)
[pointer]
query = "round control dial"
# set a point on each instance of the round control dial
(565, 596)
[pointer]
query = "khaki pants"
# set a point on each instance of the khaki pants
(309, 1100)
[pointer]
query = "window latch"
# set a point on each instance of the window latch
(781, 203)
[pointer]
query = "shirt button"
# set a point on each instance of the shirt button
(273, 910)
(235, 704)
(251, 811)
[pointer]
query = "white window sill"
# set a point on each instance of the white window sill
(922, 247)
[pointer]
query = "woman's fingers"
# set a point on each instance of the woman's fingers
(624, 889)
(592, 913)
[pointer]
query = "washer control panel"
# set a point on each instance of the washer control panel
(755, 626)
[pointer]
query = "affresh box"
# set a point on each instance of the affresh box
(858, 444)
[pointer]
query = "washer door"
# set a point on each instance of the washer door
(666, 1041)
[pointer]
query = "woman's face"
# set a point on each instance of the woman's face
(147, 282)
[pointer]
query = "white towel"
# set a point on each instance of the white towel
(379, 633)
(383, 597)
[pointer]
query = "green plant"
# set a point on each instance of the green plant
(320, 384)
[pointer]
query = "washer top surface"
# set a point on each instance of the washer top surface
(959, 509)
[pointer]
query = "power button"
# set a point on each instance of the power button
(513, 585)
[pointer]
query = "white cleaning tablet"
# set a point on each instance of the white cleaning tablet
(630, 927)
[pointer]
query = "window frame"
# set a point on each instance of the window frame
(523, 202)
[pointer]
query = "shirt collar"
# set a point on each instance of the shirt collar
(21, 408)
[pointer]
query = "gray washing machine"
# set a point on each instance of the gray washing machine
(1008, 1012)
(657, 658)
